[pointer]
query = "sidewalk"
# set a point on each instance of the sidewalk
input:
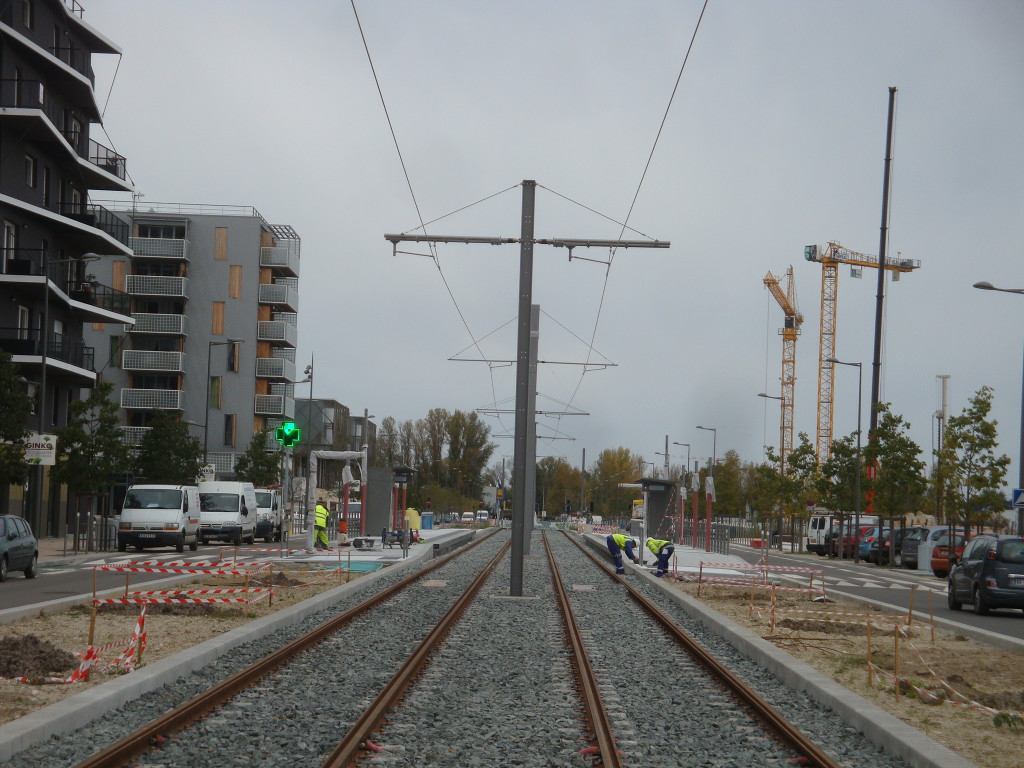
(686, 559)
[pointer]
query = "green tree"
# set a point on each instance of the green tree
(469, 450)
(168, 454)
(969, 469)
(900, 483)
(728, 489)
(15, 412)
(558, 482)
(614, 466)
(388, 454)
(837, 484)
(91, 451)
(259, 464)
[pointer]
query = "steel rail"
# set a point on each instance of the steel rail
(134, 744)
(593, 706)
(764, 712)
(353, 744)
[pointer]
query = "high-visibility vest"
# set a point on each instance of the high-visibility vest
(321, 515)
(621, 540)
(656, 545)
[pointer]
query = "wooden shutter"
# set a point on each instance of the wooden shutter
(220, 243)
(218, 318)
(235, 281)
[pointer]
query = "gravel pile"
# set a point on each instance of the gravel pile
(674, 709)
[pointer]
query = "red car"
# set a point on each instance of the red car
(940, 555)
(850, 541)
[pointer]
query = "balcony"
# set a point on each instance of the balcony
(172, 325)
(274, 405)
(134, 435)
(280, 295)
(284, 258)
(150, 360)
(159, 247)
(151, 399)
(96, 216)
(27, 342)
(277, 332)
(274, 368)
(104, 158)
(156, 285)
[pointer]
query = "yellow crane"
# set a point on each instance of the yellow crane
(789, 332)
(830, 257)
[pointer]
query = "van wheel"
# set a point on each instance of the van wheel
(252, 537)
(122, 546)
(980, 607)
(195, 544)
(139, 548)
(180, 546)
(238, 537)
(30, 572)
(951, 601)
(940, 574)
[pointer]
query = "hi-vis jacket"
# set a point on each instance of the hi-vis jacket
(656, 545)
(321, 516)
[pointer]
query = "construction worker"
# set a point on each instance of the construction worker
(663, 551)
(320, 526)
(618, 542)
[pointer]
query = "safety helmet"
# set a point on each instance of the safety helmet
(635, 542)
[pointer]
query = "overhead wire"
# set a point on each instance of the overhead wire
(412, 193)
(636, 194)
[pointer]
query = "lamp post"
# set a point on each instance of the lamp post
(782, 428)
(686, 466)
(206, 425)
(987, 286)
(856, 514)
(44, 344)
(714, 446)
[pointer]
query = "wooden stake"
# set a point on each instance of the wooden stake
(871, 670)
(127, 576)
(142, 631)
(910, 608)
(700, 578)
(896, 659)
(348, 569)
(773, 610)
(92, 623)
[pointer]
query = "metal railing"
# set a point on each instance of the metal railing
(152, 360)
(151, 399)
(159, 247)
(145, 322)
(96, 216)
(156, 285)
(274, 368)
(134, 435)
(277, 331)
(274, 405)
(281, 295)
(28, 341)
(110, 161)
(281, 257)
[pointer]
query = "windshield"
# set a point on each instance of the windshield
(153, 498)
(3, 526)
(944, 541)
(219, 502)
(1012, 551)
(263, 498)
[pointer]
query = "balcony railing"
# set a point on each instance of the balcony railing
(281, 295)
(156, 285)
(175, 325)
(280, 257)
(96, 216)
(134, 435)
(274, 368)
(110, 161)
(27, 341)
(159, 247)
(277, 332)
(76, 58)
(152, 360)
(151, 399)
(274, 405)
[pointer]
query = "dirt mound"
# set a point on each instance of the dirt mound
(278, 580)
(29, 656)
(161, 609)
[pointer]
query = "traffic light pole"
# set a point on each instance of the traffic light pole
(524, 414)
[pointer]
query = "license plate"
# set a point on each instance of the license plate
(147, 535)
(1017, 580)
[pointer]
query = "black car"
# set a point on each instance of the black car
(989, 574)
(19, 550)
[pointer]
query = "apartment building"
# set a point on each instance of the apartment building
(54, 235)
(214, 299)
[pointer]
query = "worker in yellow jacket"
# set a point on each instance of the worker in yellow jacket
(663, 551)
(618, 542)
(321, 541)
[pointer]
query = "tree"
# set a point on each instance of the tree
(614, 466)
(837, 484)
(15, 412)
(388, 454)
(899, 483)
(91, 451)
(168, 454)
(969, 469)
(469, 450)
(558, 482)
(257, 464)
(727, 486)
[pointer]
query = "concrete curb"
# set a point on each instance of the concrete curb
(78, 710)
(878, 726)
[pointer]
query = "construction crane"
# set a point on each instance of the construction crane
(789, 332)
(830, 257)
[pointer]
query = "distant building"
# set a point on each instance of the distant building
(54, 234)
(214, 296)
(364, 432)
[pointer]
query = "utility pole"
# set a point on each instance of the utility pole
(531, 427)
(583, 484)
(876, 362)
(523, 415)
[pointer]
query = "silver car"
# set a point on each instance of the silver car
(19, 550)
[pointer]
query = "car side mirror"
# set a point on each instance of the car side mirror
(245, 512)
(12, 536)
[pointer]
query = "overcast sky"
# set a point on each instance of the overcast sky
(775, 140)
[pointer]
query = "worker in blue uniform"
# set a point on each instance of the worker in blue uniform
(663, 551)
(617, 542)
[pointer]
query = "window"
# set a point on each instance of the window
(218, 318)
(30, 171)
(234, 352)
(229, 429)
(235, 281)
(46, 186)
(115, 352)
(28, 13)
(10, 244)
(24, 322)
(164, 231)
(215, 388)
(220, 243)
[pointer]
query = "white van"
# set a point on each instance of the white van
(159, 516)
(817, 528)
(269, 525)
(468, 517)
(227, 512)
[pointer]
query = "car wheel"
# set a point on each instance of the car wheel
(980, 607)
(252, 537)
(268, 539)
(819, 553)
(180, 545)
(139, 548)
(122, 546)
(30, 572)
(951, 601)
(940, 574)
(3, 568)
(238, 537)
(195, 544)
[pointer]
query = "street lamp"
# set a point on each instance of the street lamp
(44, 343)
(206, 425)
(686, 467)
(856, 517)
(782, 429)
(714, 446)
(987, 286)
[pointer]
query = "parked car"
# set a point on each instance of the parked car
(19, 550)
(159, 516)
(989, 574)
(940, 555)
(849, 540)
(869, 543)
(885, 549)
(915, 538)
